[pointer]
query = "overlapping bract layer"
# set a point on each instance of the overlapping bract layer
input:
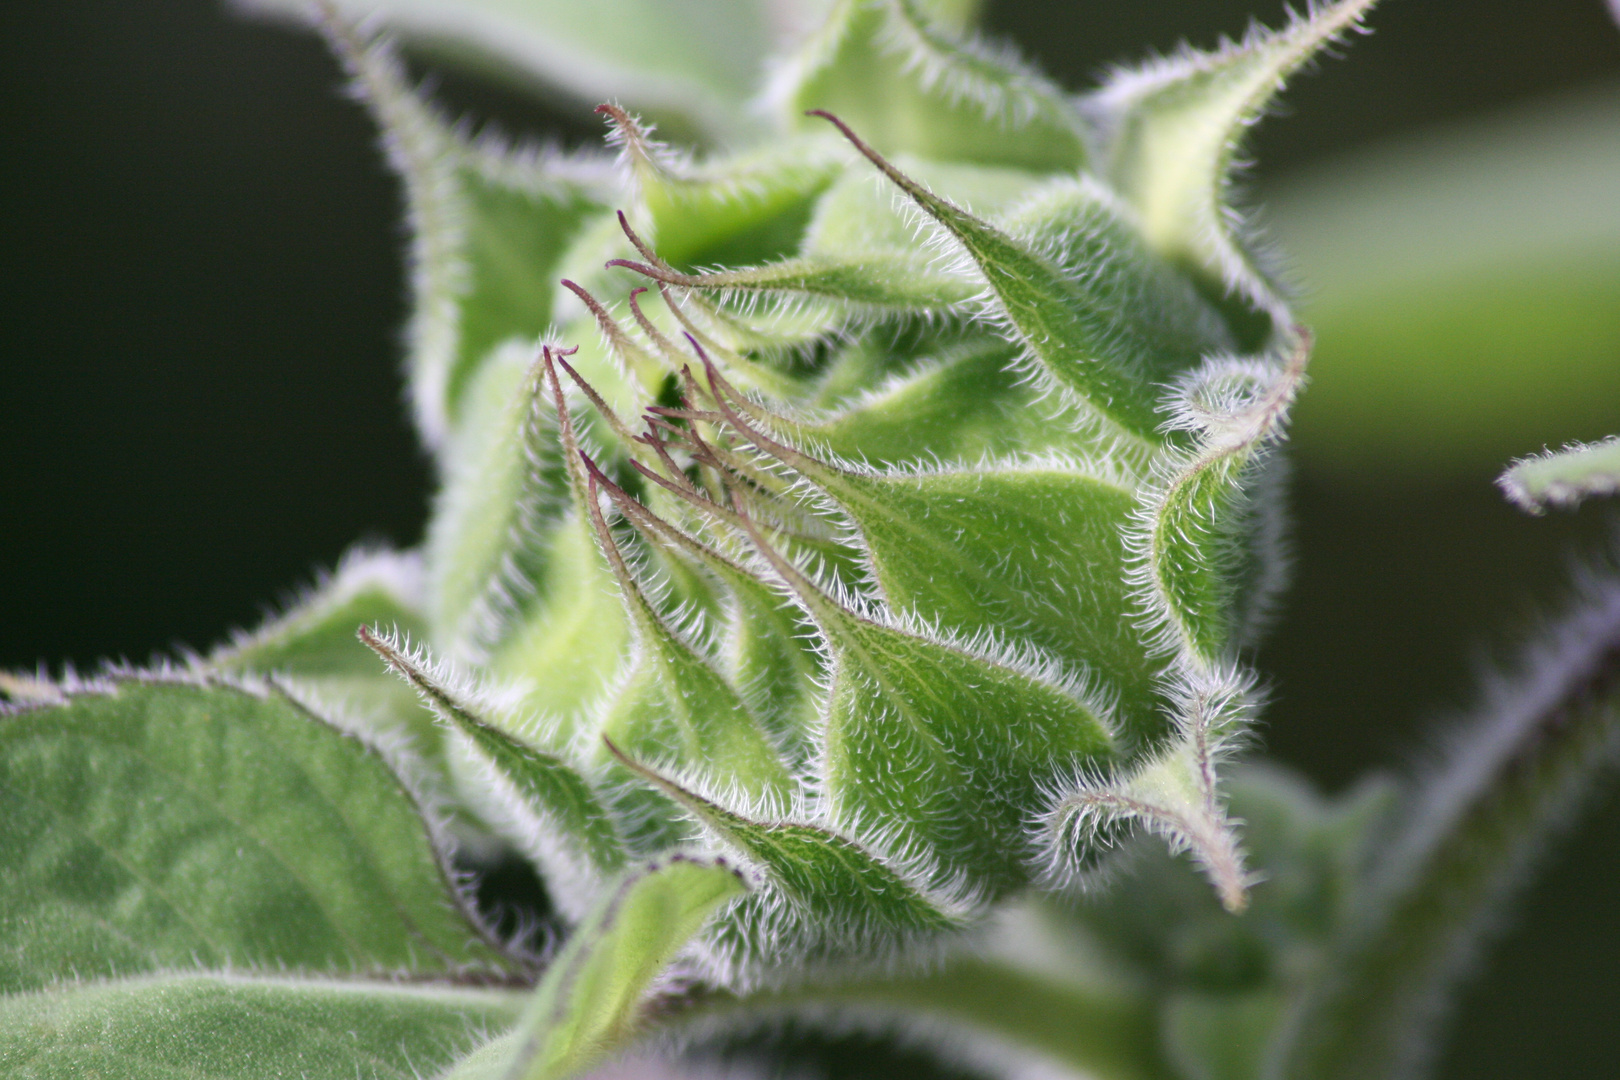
(887, 506)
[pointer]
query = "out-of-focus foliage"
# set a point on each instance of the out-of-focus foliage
(1465, 287)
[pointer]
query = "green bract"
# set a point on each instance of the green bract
(843, 541)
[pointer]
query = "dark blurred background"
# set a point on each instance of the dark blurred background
(201, 296)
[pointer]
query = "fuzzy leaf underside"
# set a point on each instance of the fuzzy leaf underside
(959, 407)
(182, 1026)
(152, 825)
(1170, 133)
(1095, 328)
(568, 644)
(1201, 518)
(1033, 552)
(1563, 478)
(674, 705)
(1196, 513)
(753, 212)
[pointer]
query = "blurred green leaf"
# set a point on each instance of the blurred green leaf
(911, 85)
(1034, 989)
(1471, 831)
(312, 644)
(695, 63)
(1465, 290)
(1565, 477)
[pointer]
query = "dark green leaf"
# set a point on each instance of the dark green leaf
(157, 824)
(187, 1026)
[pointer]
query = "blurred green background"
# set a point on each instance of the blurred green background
(202, 294)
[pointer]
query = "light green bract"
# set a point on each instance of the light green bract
(843, 541)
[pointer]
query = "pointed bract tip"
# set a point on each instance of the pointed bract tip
(613, 748)
(635, 239)
(598, 477)
(845, 130)
(386, 652)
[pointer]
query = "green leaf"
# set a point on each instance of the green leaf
(152, 824)
(589, 1003)
(1174, 794)
(1464, 285)
(825, 897)
(763, 645)
(868, 282)
(487, 549)
(1473, 828)
(913, 85)
(946, 748)
(1200, 513)
(950, 750)
(182, 1026)
(314, 643)
(550, 810)
(754, 208)
(568, 646)
(517, 583)
(769, 653)
(855, 217)
(518, 223)
(490, 228)
(1169, 134)
(1563, 478)
(694, 62)
(1074, 299)
(965, 405)
(1147, 318)
(1035, 546)
(316, 635)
